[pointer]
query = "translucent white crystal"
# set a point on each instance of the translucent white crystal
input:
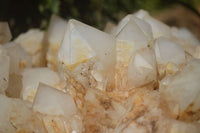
(169, 56)
(5, 34)
(33, 76)
(183, 89)
(54, 38)
(168, 51)
(142, 67)
(158, 28)
(32, 43)
(17, 116)
(185, 38)
(141, 14)
(82, 42)
(145, 27)
(132, 34)
(51, 101)
(18, 57)
(4, 72)
(85, 44)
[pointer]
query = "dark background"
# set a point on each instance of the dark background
(25, 14)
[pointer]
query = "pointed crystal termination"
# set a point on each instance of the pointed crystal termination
(183, 90)
(132, 34)
(88, 55)
(33, 76)
(51, 101)
(54, 38)
(5, 34)
(158, 28)
(142, 67)
(169, 55)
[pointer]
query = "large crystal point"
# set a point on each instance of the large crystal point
(182, 91)
(86, 51)
(32, 43)
(54, 38)
(142, 67)
(169, 55)
(51, 101)
(132, 34)
(158, 28)
(33, 76)
(5, 34)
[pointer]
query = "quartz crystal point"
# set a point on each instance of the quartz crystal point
(182, 91)
(51, 101)
(185, 38)
(88, 55)
(54, 37)
(169, 55)
(132, 34)
(142, 67)
(31, 77)
(32, 43)
(158, 28)
(5, 34)
(16, 116)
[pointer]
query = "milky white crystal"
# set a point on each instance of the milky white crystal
(33, 76)
(54, 37)
(183, 89)
(85, 44)
(142, 67)
(185, 38)
(5, 34)
(51, 101)
(32, 43)
(17, 116)
(132, 34)
(18, 57)
(158, 28)
(169, 55)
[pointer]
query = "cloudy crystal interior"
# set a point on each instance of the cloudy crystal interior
(140, 76)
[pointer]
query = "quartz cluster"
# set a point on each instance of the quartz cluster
(139, 76)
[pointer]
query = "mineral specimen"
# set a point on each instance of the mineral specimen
(141, 76)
